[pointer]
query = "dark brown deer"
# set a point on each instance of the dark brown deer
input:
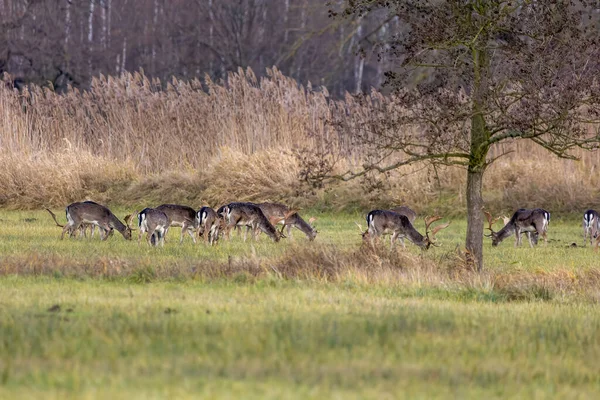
(381, 222)
(534, 222)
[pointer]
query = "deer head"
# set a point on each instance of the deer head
(491, 221)
(128, 229)
(430, 240)
(365, 234)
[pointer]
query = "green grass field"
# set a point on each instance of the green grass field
(408, 333)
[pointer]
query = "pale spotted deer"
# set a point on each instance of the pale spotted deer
(92, 213)
(182, 216)
(534, 222)
(381, 222)
(154, 223)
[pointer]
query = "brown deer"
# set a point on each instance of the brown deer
(83, 228)
(250, 215)
(281, 214)
(209, 225)
(381, 222)
(92, 213)
(534, 222)
(154, 223)
(182, 216)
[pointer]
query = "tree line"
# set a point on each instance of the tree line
(64, 42)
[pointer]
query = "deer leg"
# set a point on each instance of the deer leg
(66, 228)
(105, 231)
(190, 232)
(183, 229)
(394, 238)
(140, 235)
(529, 235)
(77, 229)
(162, 237)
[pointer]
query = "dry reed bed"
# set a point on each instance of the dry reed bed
(131, 141)
(450, 275)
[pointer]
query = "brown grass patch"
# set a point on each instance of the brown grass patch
(327, 264)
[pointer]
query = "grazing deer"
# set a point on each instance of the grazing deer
(182, 216)
(406, 211)
(534, 222)
(591, 225)
(154, 223)
(95, 214)
(209, 224)
(83, 228)
(381, 222)
(250, 215)
(281, 214)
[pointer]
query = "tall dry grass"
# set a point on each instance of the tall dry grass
(130, 140)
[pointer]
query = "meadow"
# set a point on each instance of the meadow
(295, 319)
(331, 318)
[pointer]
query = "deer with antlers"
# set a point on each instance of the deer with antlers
(96, 214)
(381, 222)
(281, 214)
(533, 222)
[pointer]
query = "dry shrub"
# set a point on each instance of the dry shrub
(183, 187)
(133, 141)
(270, 175)
(39, 180)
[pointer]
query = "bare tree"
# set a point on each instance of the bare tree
(471, 74)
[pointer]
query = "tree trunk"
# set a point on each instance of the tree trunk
(477, 158)
(475, 216)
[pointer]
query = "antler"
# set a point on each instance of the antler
(428, 222)
(491, 220)
(359, 227)
(54, 218)
(127, 220)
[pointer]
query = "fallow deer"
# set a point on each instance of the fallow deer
(83, 228)
(182, 216)
(154, 223)
(281, 214)
(534, 222)
(82, 213)
(380, 222)
(591, 225)
(249, 214)
(209, 224)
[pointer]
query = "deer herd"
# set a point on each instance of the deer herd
(205, 223)
(211, 224)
